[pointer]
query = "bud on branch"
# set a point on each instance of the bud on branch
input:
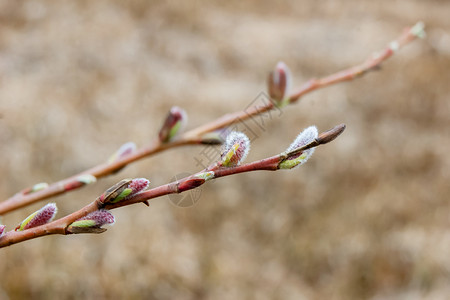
(279, 84)
(92, 223)
(40, 217)
(194, 181)
(35, 188)
(323, 138)
(235, 149)
(175, 122)
(304, 138)
(123, 190)
(124, 150)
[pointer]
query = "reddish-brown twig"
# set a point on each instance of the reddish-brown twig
(194, 136)
(62, 226)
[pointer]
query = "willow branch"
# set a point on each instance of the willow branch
(215, 171)
(194, 136)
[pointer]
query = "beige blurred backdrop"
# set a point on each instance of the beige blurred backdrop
(366, 218)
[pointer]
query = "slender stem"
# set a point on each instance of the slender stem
(194, 136)
(60, 226)
(267, 164)
(372, 63)
(228, 120)
(20, 200)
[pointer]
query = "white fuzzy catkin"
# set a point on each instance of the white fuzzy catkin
(234, 156)
(305, 137)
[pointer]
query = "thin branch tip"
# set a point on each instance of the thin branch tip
(330, 135)
(323, 138)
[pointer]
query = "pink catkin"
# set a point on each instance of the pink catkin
(44, 216)
(176, 114)
(241, 152)
(138, 184)
(100, 217)
(280, 82)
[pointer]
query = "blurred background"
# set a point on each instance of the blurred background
(366, 218)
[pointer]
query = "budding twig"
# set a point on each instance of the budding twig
(323, 138)
(106, 201)
(195, 136)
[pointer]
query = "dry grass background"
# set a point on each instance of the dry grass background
(366, 218)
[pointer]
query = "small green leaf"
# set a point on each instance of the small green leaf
(122, 195)
(292, 163)
(84, 223)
